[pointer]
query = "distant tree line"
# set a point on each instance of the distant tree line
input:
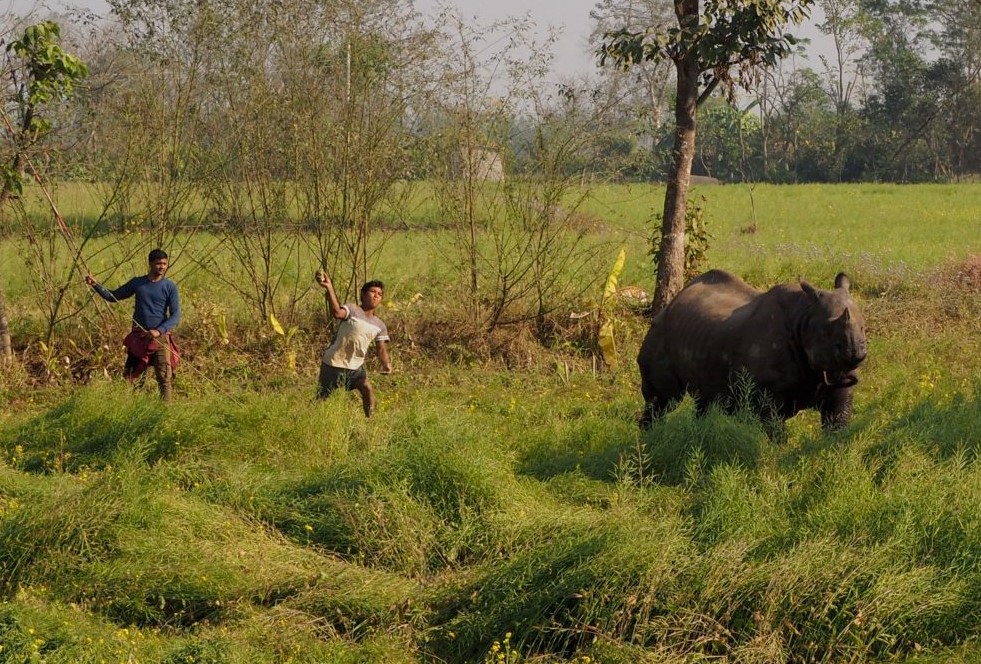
(316, 91)
(898, 98)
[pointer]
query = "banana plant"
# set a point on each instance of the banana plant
(287, 337)
(604, 338)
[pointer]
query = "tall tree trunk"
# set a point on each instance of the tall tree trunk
(6, 195)
(671, 255)
(6, 347)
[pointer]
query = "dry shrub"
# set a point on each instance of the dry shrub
(965, 275)
(15, 379)
(585, 222)
(947, 295)
(958, 286)
(453, 336)
(458, 340)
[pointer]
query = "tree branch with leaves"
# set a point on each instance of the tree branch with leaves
(38, 74)
(718, 44)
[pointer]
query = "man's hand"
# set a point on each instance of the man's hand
(323, 279)
(386, 369)
(90, 280)
(154, 333)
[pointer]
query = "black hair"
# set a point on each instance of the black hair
(368, 285)
(156, 255)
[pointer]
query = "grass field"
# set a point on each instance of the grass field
(506, 508)
(772, 232)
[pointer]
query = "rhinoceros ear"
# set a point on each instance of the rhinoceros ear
(810, 291)
(842, 281)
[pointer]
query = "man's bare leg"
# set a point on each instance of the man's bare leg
(367, 397)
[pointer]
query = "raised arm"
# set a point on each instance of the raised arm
(336, 310)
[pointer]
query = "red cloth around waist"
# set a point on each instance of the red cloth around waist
(140, 345)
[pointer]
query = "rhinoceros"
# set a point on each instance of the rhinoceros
(799, 345)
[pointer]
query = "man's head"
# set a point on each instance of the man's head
(158, 263)
(371, 294)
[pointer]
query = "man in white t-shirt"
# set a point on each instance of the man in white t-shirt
(343, 361)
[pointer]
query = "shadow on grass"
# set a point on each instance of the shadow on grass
(941, 429)
(672, 450)
(538, 596)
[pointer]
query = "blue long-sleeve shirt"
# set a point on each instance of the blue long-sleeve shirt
(158, 306)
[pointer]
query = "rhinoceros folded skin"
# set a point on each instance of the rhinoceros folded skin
(799, 345)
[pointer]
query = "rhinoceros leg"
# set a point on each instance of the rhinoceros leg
(836, 409)
(654, 404)
(657, 384)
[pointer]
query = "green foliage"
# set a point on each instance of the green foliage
(276, 532)
(571, 570)
(51, 72)
(728, 39)
(42, 73)
(697, 238)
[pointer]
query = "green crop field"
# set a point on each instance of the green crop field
(501, 505)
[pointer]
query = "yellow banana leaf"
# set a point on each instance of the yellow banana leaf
(607, 345)
(612, 280)
(276, 326)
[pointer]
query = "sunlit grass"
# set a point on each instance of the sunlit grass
(517, 506)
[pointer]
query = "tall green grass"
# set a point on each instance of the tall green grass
(281, 529)
(769, 233)
(517, 503)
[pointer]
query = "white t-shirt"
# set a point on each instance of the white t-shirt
(354, 337)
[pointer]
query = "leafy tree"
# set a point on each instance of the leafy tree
(728, 146)
(40, 74)
(958, 38)
(715, 44)
(912, 94)
(642, 92)
(845, 23)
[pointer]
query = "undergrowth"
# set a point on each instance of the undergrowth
(494, 509)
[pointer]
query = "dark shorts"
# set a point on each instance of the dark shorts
(334, 378)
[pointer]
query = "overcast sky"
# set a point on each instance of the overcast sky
(571, 16)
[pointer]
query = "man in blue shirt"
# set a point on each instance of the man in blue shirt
(157, 312)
